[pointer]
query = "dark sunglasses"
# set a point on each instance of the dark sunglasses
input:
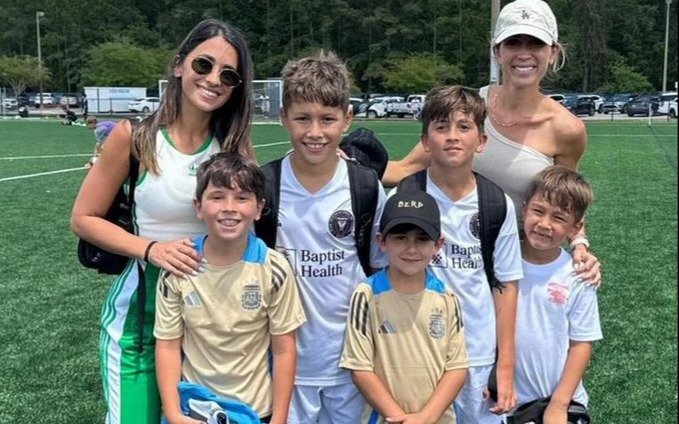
(228, 76)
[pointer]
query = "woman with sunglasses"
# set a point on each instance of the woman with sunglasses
(527, 131)
(206, 108)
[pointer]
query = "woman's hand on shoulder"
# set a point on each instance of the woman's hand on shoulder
(587, 266)
(179, 257)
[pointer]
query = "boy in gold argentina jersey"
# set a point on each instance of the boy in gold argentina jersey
(404, 341)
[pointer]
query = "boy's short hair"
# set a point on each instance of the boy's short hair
(91, 120)
(225, 168)
(411, 208)
(442, 101)
(321, 78)
(564, 188)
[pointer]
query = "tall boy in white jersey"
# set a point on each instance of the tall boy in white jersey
(452, 132)
(558, 316)
(317, 233)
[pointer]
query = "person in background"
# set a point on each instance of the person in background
(101, 131)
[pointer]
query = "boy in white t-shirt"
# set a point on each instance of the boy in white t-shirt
(558, 315)
(317, 231)
(452, 133)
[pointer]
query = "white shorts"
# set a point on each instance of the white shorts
(469, 406)
(341, 404)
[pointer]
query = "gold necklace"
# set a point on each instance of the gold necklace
(495, 118)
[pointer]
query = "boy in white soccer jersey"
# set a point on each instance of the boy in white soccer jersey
(218, 327)
(405, 342)
(452, 133)
(317, 231)
(558, 316)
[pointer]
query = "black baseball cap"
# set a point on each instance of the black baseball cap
(414, 207)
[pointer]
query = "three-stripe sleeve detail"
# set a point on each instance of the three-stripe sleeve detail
(359, 312)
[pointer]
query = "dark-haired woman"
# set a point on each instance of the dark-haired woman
(205, 109)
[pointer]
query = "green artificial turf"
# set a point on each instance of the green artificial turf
(50, 305)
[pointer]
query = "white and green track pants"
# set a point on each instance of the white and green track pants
(126, 349)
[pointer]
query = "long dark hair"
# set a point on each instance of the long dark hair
(230, 124)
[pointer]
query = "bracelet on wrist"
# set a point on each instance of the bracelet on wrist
(148, 250)
(579, 240)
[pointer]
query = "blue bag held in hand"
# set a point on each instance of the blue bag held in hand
(202, 400)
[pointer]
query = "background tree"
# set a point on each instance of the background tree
(121, 63)
(367, 33)
(21, 71)
(418, 73)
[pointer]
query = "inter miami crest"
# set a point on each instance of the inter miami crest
(437, 328)
(341, 224)
(251, 297)
(475, 226)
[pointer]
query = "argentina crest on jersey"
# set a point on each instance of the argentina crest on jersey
(251, 298)
(437, 328)
(341, 223)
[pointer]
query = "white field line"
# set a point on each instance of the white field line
(59, 171)
(73, 155)
(40, 174)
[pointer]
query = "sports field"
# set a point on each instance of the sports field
(49, 304)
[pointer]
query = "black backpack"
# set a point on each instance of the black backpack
(364, 187)
(492, 213)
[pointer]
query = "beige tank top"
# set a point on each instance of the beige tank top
(509, 164)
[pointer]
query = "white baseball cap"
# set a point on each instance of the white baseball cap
(529, 17)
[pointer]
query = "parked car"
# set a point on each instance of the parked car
(559, 98)
(47, 99)
(615, 103)
(70, 99)
(665, 99)
(9, 103)
(672, 110)
(377, 108)
(145, 105)
(358, 105)
(644, 104)
(598, 101)
(580, 105)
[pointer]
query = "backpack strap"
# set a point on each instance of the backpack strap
(492, 213)
(133, 176)
(364, 188)
(267, 225)
(416, 181)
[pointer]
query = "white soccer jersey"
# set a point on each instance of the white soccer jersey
(163, 204)
(553, 308)
(316, 234)
(460, 265)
